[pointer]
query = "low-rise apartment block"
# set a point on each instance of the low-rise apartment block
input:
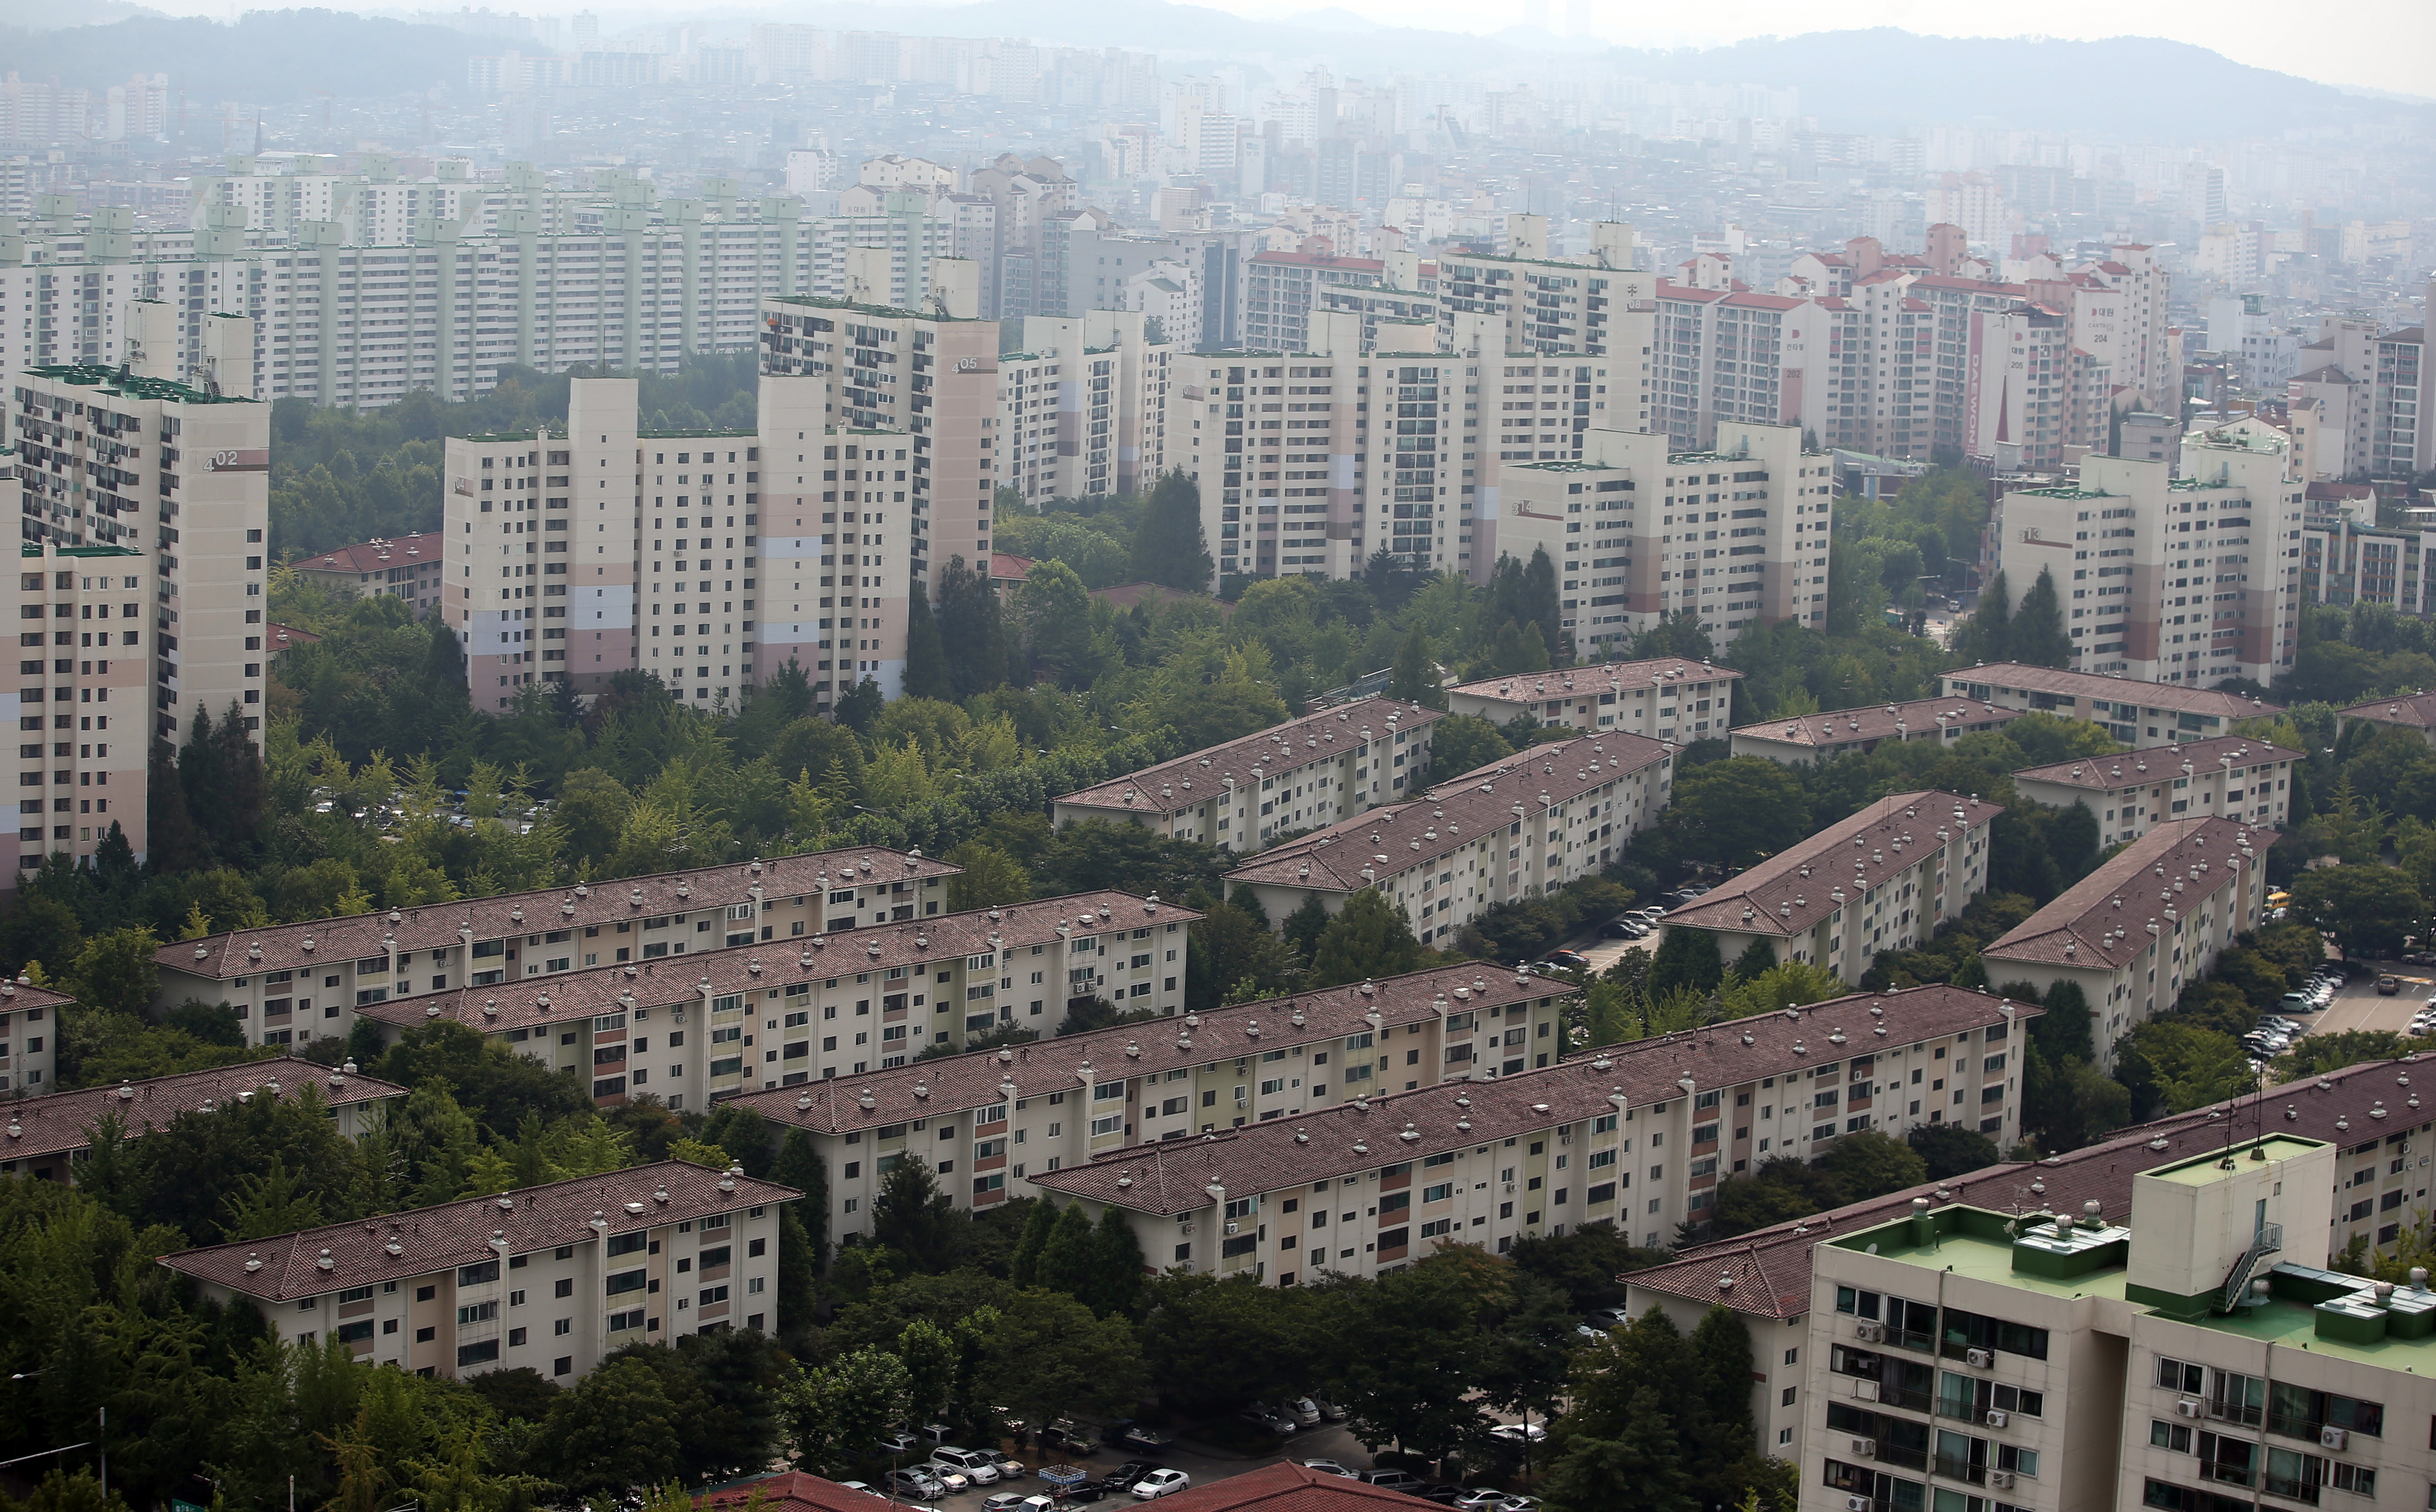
(2189, 579)
(1305, 774)
(408, 568)
(548, 1278)
(829, 1005)
(2415, 713)
(293, 983)
(29, 1038)
(1028, 1110)
(48, 1137)
(2231, 776)
(1882, 880)
(2134, 712)
(1799, 739)
(1735, 533)
(1665, 699)
(1513, 829)
(1634, 1136)
(2152, 917)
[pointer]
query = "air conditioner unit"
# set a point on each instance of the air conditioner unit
(1184, 1229)
(1509, 1187)
(1980, 1358)
(2001, 1480)
(1866, 1448)
(1869, 1332)
(1857, 1503)
(2190, 1407)
(2333, 1438)
(1999, 1420)
(1233, 1227)
(1865, 1391)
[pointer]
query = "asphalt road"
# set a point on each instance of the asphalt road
(2357, 1005)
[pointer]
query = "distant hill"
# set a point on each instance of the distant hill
(47, 15)
(269, 55)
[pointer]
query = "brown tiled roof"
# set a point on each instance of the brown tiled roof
(1198, 776)
(1452, 814)
(1877, 723)
(1771, 1266)
(1289, 1489)
(569, 997)
(1794, 888)
(2133, 767)
(288, 1266)
(2101, 921)
(953, 1083)
(376, 556)
(788, 1492)
(1172, 1175)
(2113, 689)
(64, 1120)
(20, 995)
(1595, 678)
(437, 924)
(2416, 712)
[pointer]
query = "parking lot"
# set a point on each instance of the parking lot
(2358, 1006)
(1327, 1441)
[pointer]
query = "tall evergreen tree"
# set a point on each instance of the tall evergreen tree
(1369, 937)
(1415, 678)
(1721, 1350)
(925, 654)
(969, 619)
(1067, 1255)
(1023, 1267)
(174, 845)
(1757, 959)
(1988, 635)
(2037, 637)
(1537, 602)
(1168, 544)
(237, 824)
(1686, 958)
(1115, 1264)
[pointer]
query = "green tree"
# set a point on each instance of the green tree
(1686, 958)
(1648, 1458)
(1368, 938)
(991, 877)
(1168, 544)
(1215, 1343)
(116, 972)
(2368, 909)
(2036, 636)
(1988, 635)
(925, 652)
(1023, 1267)
(613, 1430)
(1116, 1265)
(1066, 1255)
(1413, 678)
(912, 1216)
(1729, 813)
(1757, 959)
(1948, 1150)
(931, 1357)
(837, 1412)
(1464, 743)
(1869, 1163)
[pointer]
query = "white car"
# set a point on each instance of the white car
(1328, 1467)
(948, 1461)
(1517, 1432)
(1160, 1483)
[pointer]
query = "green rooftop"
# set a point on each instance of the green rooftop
(2206, 1170)
(131, 386)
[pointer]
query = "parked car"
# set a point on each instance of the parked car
(975, 1466)
(1611, 1318)
(1303, 1411)
(1480, 1499)
(1570, 960)
(1442, 1495)
(915, 1481)
(2388, 986)
(1622, 927)
(1160, 1483)
(1016, 1502)
(1329, 1466)
(1517, 1432)
(866, 1489)
(1128, 1476)
(1007, 1466)
(954, 1480)
(898, 1443)
(1132, 1434)
(1263, 1418)
(1068, 1437)
(1392, 1480)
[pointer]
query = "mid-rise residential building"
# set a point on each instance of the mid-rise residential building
(1663, 699)
(2229, 777)
(879, 996)
(1282, 290)
(1635, 1137)
(1767, 1275)
(2153, 916)
(2190, 579)
(144, 502)
(1736, 536)
(798, 567)
(1882, 880)
(547, 1278)
(29, 1038)
(48, 1137)
(1517, 828)
(1799, 739)
(408, 568)
(1305, 774)
(291, 983)
(1040, 1107)
(2347, 558)
(2137, 713)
